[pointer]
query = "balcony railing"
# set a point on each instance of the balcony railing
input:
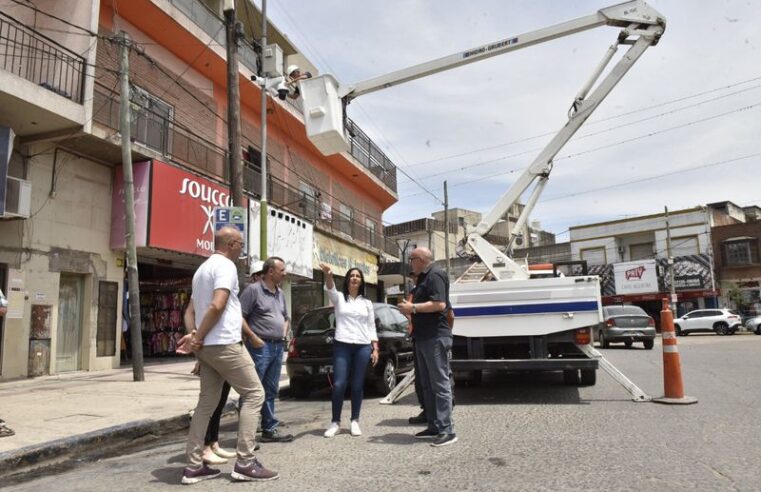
(39, 59)
(290, 198)
(161, 135)
(370, 155)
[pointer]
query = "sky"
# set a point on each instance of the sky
(681, 129)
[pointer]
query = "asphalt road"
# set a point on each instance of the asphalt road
(516, 432)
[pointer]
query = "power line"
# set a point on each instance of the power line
(594, 122)
(59, 19)
(614, 144)
(533, 150)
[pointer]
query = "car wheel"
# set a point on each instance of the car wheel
(648, 344)
(299, 389)
(604, 343)
(678, 330)
(387, 380)
(588, 377)
(721, 329)
(628, 344)
(571, 377)
(758, 330)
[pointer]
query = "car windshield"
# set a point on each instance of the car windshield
(316, 322)
(625, 311)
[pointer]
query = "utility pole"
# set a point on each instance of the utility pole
(263, 208)
(233, 106)
(135, 328)
(446, 228)
(670, 260)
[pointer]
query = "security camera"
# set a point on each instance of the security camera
(282, 90)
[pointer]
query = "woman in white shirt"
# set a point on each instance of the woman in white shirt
(355, 343)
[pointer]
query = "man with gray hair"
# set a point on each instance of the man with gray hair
(216, 342)
(265, 311)
(433, 342)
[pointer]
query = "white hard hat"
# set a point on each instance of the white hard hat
(291, 69)
(257, 267)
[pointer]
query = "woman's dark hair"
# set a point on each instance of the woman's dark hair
(345, 288)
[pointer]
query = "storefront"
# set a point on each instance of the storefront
(174, 234)
(646, 283)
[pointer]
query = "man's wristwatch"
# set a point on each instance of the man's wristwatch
(414, 309)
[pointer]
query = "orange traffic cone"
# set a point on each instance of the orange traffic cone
(672, 365)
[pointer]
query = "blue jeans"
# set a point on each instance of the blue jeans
(349, 359)
(268, 361)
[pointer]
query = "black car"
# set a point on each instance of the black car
(310, 352)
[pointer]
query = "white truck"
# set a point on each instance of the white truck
(504, 318)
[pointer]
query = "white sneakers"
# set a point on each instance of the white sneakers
(355, 430)
(332, 430)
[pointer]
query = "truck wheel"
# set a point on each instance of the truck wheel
(387, 380)
(571, 377)
(299, 389)
(628, 344)
(648, 344)
(588, 377)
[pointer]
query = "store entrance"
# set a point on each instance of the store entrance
(164, 293)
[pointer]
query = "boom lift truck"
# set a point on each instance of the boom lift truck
(505, 318)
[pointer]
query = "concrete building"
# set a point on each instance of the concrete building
(61, 225)
(738, 263)
(631, 256)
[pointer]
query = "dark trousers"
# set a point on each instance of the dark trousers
(212, 431)
(433, 361)
(349, 361)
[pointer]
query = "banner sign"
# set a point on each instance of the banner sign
(141, 182)
(341, 257)
(288, 236)
(236, 217)
(182, 210)
(635, 277)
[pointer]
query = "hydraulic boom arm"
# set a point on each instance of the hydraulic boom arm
(642, 27)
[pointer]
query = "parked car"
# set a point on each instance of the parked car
(627, 324)
(719, 321)
(754, 324)
(310, 352)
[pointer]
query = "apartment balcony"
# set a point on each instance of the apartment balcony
(41, 82)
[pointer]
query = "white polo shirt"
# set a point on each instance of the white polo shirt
(355, 318)
(218, 272)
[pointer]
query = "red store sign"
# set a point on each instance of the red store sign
(180, 211)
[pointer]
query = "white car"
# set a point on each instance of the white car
(719, 321)
(754, 324)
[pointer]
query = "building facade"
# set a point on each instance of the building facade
(61, 227)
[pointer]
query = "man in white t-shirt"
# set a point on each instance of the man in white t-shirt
(217, 344)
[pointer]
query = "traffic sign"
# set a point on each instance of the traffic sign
(235, 217)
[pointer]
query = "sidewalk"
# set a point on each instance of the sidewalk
(70, 413)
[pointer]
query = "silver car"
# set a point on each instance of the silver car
(754, 324)
(719, 321)
(627, 324)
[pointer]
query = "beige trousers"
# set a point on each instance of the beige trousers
(231, 363)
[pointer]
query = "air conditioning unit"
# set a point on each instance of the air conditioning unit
(18, 197)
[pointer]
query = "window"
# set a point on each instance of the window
(594, 256)
(310, 196)
(641, 251)
(343, 220)
(740, 251)
(684, 246)
(108, 294)
(370, 231)
(151, 118)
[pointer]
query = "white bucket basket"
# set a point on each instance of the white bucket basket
(323, 114)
